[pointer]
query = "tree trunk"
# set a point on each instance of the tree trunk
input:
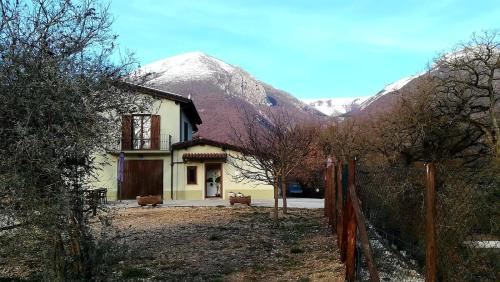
(495, 127)
(76, 246)
(496, 132)
(58, 263)
(276, 196)
(283, 193)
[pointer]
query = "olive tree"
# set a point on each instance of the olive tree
(59, 107)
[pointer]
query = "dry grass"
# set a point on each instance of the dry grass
(225, 244)
(205, 244)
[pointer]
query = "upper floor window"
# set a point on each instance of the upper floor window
(141, 138)
(141, 132)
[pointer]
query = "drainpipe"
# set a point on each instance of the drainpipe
(171, 167)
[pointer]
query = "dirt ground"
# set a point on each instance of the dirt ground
(225, 244)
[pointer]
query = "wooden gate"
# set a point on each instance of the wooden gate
(142, 178)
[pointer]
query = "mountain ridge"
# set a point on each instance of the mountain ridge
(221, 92)
(338, 106)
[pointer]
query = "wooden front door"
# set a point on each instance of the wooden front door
(142, 178)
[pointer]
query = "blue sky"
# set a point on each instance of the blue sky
(312, 49)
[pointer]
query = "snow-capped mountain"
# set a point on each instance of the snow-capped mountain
(188, 66)
(197, 66)
(335, 106)
(338, 106)
(221, 92)
(389, 88)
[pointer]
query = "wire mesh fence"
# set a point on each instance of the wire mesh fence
(392, 199)
(393, 202)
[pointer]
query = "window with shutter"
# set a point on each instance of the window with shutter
(141, 132)
(155, 132)
(126, 132)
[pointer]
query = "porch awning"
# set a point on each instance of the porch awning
(204, 157)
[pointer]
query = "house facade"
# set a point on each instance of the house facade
(158, 156)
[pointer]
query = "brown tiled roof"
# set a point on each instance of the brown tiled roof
(204, 156)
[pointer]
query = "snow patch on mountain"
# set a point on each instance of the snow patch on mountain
(395, 86)
(338, 106)
(334, 106)
(188, 66)
(198, 66)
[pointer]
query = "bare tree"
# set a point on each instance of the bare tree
(353, 106)
(469, 81)
(310, 174)
(412, 128)
(272, 147)
(342, 139)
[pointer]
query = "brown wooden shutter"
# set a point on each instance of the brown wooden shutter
(155, 132)
(126, 132)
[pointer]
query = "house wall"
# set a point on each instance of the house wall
(170, 118)
(182, 190)
(107, 175)
(170, 115)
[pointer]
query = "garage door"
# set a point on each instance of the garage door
(142, 178)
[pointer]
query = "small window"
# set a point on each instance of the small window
(191, 175)
(186, 131)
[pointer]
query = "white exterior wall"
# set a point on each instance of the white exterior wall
(229, 184)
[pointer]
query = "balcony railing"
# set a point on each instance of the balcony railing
(162, 143)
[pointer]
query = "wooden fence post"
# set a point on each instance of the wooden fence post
(340, 211)
(351, 226)
(325, 207)
(333, 205)
(363, 235)
(327, 186)
(329, 182)
(430, 224)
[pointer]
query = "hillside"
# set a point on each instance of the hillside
(221, 92)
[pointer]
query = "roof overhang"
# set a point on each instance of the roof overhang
(202, 141)
(201, 157)
(186, 104)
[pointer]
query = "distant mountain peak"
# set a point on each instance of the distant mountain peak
(334, 106)
(187, 66)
